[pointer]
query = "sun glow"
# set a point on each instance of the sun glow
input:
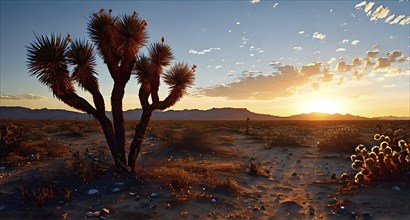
(321, 105)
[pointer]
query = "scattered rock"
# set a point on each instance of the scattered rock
(294, 174)
(290, 205)
(366, 214)
(333, 176)
(119, 184)
(116, 190)
(311, 211)
(92, 191)
(2, 168)
(396, 188)
(213, 200)
(105, 211)
(93, 214)
(2, 207)
(154, 195)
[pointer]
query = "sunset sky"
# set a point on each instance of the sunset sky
(273, 57)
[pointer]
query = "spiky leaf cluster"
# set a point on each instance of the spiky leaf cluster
(389, 160)
(81, 56)
(47, 61)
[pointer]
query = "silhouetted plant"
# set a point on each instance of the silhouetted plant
(388, 161)
(58, 62)
(11, 139)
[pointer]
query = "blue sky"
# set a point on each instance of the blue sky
(274, 57)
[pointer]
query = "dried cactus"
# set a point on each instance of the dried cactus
(118, 40)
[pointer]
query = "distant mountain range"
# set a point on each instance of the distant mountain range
(211, 114)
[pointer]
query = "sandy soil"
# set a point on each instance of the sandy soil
(298, 185)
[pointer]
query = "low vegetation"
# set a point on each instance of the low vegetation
(387, 161)
(342, 140)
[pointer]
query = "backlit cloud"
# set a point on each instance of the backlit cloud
(382, 63)
(342, 67)
(260, 87)
(319, 36)
(372, 53)
(22, 97)
(397, 19)
(310, 69)
(368, 7)
(405, 21)
(394, 54)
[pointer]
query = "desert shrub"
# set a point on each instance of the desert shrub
(282, 139)
(87, 166)
(191, 139)
(388, 161)
(36, 193)
(11, 139)
(343, 140)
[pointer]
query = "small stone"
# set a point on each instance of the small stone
(116, 190)
(154, 195)
(92, 191)
(294, 174)
(333, 176)
(2, 207)
(396, 188)
(311, 211)
(105, 211)
(93, 214)
(119, 184)
(366, 214)
(2, 168)
(213, 200)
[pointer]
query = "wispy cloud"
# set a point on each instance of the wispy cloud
(254, 1)
(298, 48)
(218, 67)
(360, 5)
(355, 42)
(344, 41)
(201, 52)
(319, 36)
(22, 97)
(301, 32)
(340, 49)
(382, 12)
(275, 5)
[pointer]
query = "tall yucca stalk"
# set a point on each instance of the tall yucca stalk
(117, 40)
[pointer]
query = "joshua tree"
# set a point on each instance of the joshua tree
(118, 40)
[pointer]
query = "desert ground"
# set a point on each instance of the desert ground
(199, 170)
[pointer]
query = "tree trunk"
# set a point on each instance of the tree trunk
(140, 130)
(116, 153)
(117, 114)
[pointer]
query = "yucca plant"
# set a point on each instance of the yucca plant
(58, 62)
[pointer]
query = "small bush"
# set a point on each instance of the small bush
(283, 139)
(343, 141)
(11, 139)
(388, 161)
(191, 139)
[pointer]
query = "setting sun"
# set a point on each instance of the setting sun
(321, 105)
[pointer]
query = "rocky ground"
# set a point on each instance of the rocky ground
(240, 177)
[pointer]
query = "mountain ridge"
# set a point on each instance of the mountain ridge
(227, 113)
